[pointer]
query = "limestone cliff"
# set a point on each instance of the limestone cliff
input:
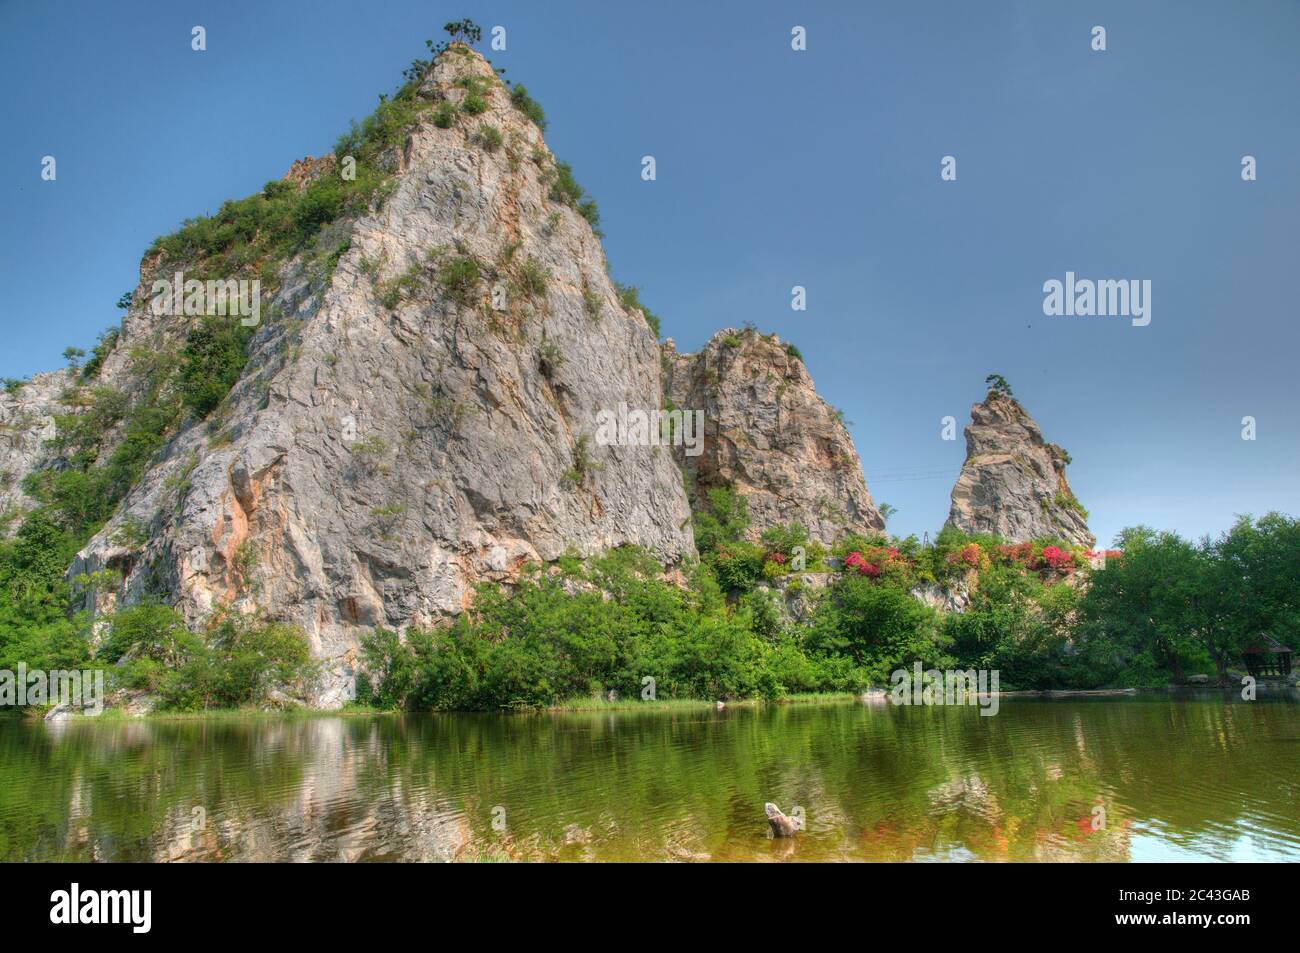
(27, 426)
(769, 436)
(418, 419)
(1013, 482)
(422, 401)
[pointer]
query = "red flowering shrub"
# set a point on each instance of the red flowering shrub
(970, 556)
(1058, 558)
(859, 563)
(778, 558)
(1021, 554)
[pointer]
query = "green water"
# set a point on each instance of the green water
(1205, 778)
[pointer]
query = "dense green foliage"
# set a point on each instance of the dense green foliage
(1178, 606)
(234, 663)
(103, 347)
(544, 643)
(214, 356)
(584, 628)
(1162, 608)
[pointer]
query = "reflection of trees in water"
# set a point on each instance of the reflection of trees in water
(271, 789)
(878, 783)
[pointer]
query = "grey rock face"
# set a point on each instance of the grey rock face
(769, 435)
(955, 598)
(798, 603)
(1013, 482)
(395, 438)
(26, 424)
(424, 414)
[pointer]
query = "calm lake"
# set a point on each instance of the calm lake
(1145, 778)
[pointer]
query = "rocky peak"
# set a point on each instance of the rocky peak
(769, 435)
(426, 397)
(1013, 482)
(306, 170)
(417, 415)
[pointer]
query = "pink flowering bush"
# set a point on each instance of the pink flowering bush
(858, 563)
(1018, 554)
(1058, 558)
(970, 556)
(887, 563)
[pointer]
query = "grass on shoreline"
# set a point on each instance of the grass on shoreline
(572, 705)
(230, 714)
(625, 704)
(114, 715)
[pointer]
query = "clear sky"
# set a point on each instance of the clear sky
(777, 168)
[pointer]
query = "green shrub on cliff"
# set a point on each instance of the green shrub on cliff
(631, 298)
(212, 360)
(527, 105)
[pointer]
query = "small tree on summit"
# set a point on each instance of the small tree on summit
(461, 31)
(997, 384)
(464, 31)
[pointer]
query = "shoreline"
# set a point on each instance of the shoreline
(597, 704)
(581, 705)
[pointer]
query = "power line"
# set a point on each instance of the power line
(910, 474)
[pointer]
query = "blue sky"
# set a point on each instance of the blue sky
(776, 168)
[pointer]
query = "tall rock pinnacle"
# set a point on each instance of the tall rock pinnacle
(415, 404)
(769, 436)
(1013, 483)
(421, 417)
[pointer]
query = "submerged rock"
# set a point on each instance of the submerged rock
(782, 826)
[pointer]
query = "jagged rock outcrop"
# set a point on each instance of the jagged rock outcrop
(27, 415)
(769, 435)
(396, 437)
(1013, 482)
(954, 597)
(422, 402)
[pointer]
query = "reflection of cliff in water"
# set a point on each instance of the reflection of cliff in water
(1042, 780)
(320, 817)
